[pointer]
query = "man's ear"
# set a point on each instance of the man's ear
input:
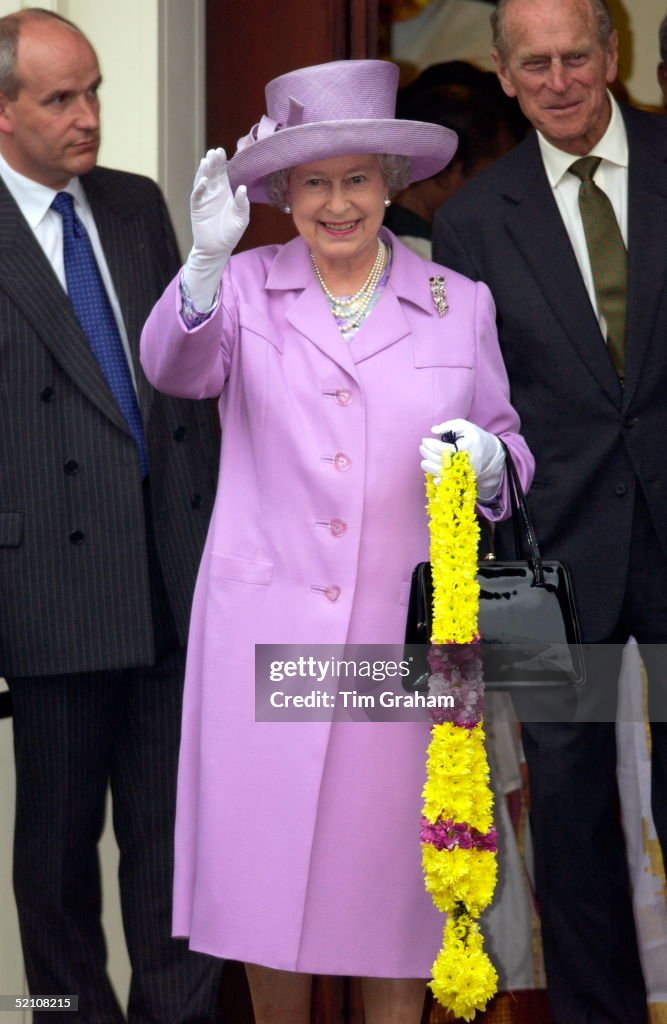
(501, 72)
(612, 57)
(662, 80)
(6, 119)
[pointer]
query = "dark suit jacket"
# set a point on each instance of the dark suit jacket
(594, 443)
(75, 592)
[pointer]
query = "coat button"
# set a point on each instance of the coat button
(630, 421)
(342, 461)
(77, 537)
(71, 467)
(47, 394)
(332, 592)
(337, 527)
(195, 500)
(343, 396)
(620, 489)
(179, 433)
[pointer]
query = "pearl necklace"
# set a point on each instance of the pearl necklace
(351, 311)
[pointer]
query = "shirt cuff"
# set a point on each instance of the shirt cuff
(190, 315)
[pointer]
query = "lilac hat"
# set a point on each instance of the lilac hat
(345, 107)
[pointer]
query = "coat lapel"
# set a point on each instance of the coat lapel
(308, 312)
(28, 279)
(311, 316)
(533, 221)
(647, 250)
(388, 323)
(122, 233)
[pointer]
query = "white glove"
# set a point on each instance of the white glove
(486, 454)
(218, 222)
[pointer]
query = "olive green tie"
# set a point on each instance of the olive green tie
(609, 260)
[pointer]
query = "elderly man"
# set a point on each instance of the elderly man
(106, 488)
(574, 253)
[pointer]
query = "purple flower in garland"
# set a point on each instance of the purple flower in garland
(456, 671)
(449, 835)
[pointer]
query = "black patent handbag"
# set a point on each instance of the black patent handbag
(528, 620)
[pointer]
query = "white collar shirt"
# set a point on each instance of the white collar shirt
(34, 201)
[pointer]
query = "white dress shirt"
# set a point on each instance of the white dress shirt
(611, 176)
(34, 201)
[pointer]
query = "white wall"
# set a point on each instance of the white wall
(643, 20)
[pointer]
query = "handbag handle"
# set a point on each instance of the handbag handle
(525, 538)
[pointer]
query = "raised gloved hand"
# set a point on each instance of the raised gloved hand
(218, 222)
(486, 454)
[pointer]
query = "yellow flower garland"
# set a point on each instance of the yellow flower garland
(458, 839)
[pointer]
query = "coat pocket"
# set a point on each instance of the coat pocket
(11, 529)
(241, 570)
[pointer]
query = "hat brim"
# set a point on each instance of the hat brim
(429, 148)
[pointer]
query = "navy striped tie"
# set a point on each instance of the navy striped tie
(91, 305)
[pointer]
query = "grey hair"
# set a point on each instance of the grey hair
(395, 171)
(599, 9)
(10, 29)
(663, 40)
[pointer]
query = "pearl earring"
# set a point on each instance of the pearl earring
(287, 208)
(387, 201)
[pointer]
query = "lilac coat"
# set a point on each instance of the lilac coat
(297, 843)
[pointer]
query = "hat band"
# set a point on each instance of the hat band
(267, 126)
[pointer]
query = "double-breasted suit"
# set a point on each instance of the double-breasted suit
(296, 843)
(97, 570)
(74, 573)
(599, 504)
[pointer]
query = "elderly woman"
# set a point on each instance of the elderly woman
(297, 845)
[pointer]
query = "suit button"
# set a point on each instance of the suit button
(332, 593)
(342, 461)
(620, 489)
(630, 422)
(77, 537)
(71, 467)
(337, 527)
(343, 396)
(47, 394)
(179, 433)
(195, 500)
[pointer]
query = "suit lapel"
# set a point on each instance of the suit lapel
(123, 236)
(408, 282)
(387, 324)
(533, 221)
(28, 279)
(647, 251)
(311, 316)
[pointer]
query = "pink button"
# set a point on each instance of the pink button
(342, 461)
(338, 527)
(332, 593)
(343, 396)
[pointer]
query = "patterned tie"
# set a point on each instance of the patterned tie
(91, 305)
(609, 261)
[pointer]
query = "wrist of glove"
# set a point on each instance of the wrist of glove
(202, 275)
(487, 455)
(219, 218)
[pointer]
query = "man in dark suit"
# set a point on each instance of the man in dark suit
(102, 521)
(591, 395)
